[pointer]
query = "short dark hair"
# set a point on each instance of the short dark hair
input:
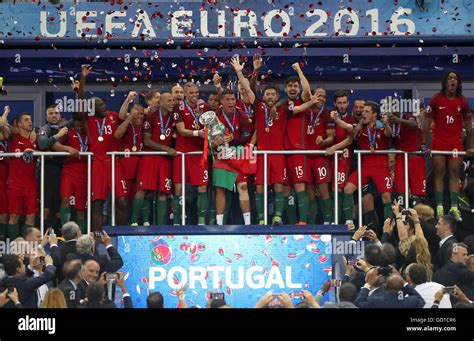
(450, 220)
(374, 106)
(94, 293)
(373, 255)
(11, 264)
(227, 92)
(213, 94)
(72, 268)
(19, 117)
(389, 254)
(292, 79)
(348, 293)
(271, 87)
(28, 231)
(150, 94)
(340, 93)
(52, 106)
(155, 301)
(417, 273)
(453, 248)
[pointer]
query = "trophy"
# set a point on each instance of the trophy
(216, 129)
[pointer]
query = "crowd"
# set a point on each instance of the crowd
(418, 252)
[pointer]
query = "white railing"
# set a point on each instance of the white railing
(41, 156)
(359, 153)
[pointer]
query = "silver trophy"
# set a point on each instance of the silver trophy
(216, 129)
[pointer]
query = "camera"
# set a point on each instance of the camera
(384, 271)
(449, 290)
(217, 296)
(11, 289)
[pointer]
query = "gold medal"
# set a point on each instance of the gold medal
(250, 120)
(100, 138)
(267, 129)
(134, 148)
(162, 137)
(196, 126)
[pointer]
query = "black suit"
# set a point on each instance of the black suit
(26, 285)
(442, 258)
(106, 265)
(81, 289)
(70, 292)
(390, 299)
(456, 274)
(60, 256)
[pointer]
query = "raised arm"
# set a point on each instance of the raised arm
(341, 123)
(217, 80)
(387, 127)
(123, 113)
(257, 65)
(4, 129)
(243, 81)
(123, 127)
(306, 88)
(305, 106)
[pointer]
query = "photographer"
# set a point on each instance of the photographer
(347, 296)
(413, 245)
(398, 293)
(26, 284)
(85, 250)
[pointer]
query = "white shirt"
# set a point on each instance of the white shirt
(444, 239)
(428, 290)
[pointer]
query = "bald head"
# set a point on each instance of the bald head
(166, 102)
(395, 283)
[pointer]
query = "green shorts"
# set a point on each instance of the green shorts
(223, 178)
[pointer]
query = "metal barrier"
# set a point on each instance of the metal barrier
(388, 152)
(265, 154)
(41, 156)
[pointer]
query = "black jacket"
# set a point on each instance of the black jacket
(60, 256)
(106, 265)
(70, 292)
(389, 299)
(442, 258)
(26, 285)
(456, 274)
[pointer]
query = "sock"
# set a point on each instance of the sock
(387, 210)
(137, 205)
(439, 198)
(82, 225)
(177, 210)
(220, 219)
(347, 206)
(312, 211)
(228, 202)
(328, 211)
(202, 206)
(212, 209)
(259, 205)
(161, 210)
(290, 209)
(13, 231)
(145, 210)
(279, 203)
(65, 214)
(371, 220)
(246, 218)
(3, 231)
(454, 196)
(302, 198)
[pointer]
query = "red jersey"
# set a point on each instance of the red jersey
(295, 133)
(247, 121)
(133, 138)
(370, 137)
(319, 122)
(341, 134)
(274, 139)
(22, 170)
(158, 127)
(79, 142)
(405, 138)
(232, 124)
(190, 117)
(103, 128)
(448, 116)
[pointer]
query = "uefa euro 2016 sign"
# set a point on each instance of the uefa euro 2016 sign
(224, 22)
(243, 267)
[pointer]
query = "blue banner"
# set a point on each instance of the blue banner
(171, 23)
(242, 267)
